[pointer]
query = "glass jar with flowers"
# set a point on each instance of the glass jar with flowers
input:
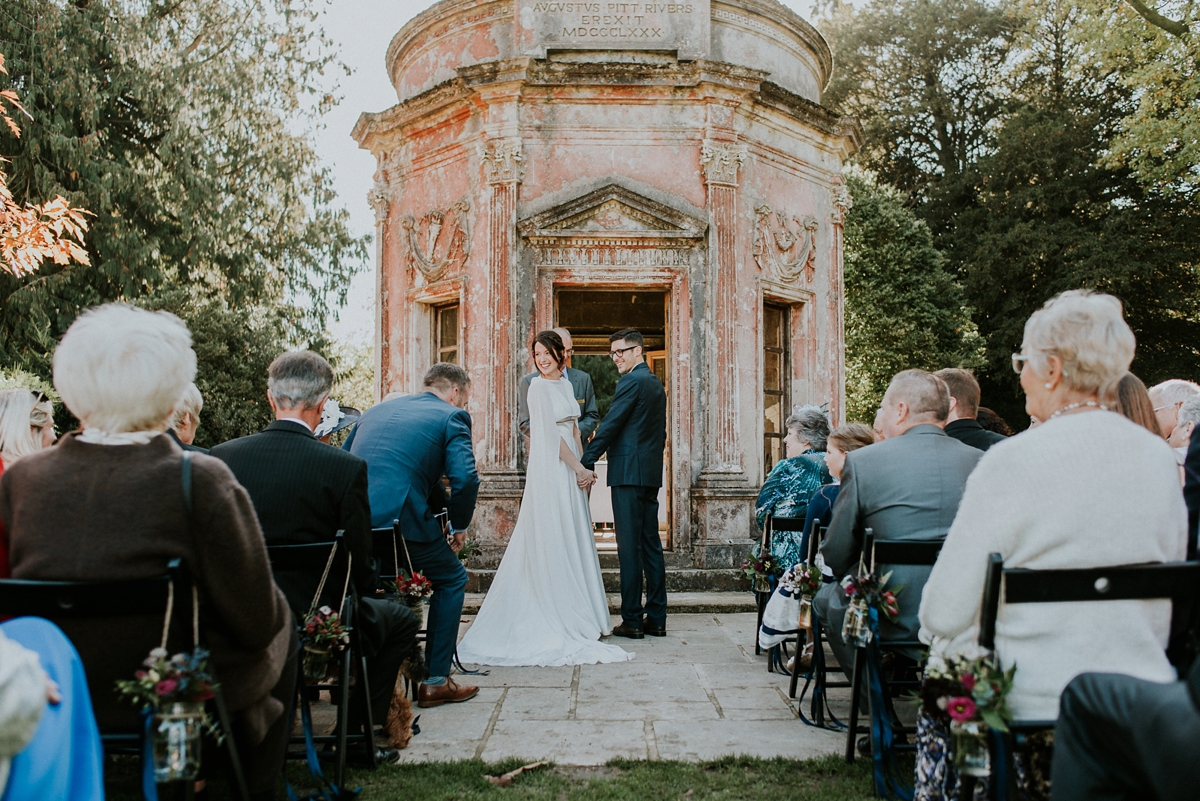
(968, 693)
(760, 568)
(803, 581)
(322, 635)
(866, 591)
(172, 693)
(413, 590)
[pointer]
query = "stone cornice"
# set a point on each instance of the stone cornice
(793, 22)
(371, 124)
(816, 115)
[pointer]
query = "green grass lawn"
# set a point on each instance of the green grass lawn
(728, 779)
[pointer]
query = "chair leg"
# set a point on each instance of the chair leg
(343, 717)
(855, 687)
(369, 734)
(235, 759)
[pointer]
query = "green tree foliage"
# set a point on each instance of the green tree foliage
(354, 384)
(185, 127)
(925, 77)
(903, 307)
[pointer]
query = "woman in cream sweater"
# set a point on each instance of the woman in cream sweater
(1057, 496)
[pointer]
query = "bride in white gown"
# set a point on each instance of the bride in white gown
(546, 605)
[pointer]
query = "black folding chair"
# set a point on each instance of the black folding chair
(1143, 582)
(777, 655)
(113, 638)
(312, 559)
(818, 673)
(891, 553)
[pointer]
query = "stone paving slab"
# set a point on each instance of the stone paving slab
(696, 694)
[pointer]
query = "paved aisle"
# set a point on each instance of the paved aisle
(698, 693)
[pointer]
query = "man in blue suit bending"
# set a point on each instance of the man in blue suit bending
(409, 443)
(634, 434)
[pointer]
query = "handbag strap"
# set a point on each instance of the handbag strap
(185, 477)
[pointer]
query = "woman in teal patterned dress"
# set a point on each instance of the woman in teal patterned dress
(795, 480)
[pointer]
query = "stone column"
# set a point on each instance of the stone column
(503, 162)
(841, 204)
(380, 198)
(721, 162)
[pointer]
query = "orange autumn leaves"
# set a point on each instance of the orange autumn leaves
(32, 233)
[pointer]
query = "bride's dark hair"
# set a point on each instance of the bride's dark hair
(551, 342)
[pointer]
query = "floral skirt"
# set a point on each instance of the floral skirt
(937, 780)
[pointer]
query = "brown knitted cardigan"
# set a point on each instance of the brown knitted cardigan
(79, 511)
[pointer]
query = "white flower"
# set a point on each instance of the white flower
(158, 653)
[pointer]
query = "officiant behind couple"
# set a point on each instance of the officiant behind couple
(546, 605)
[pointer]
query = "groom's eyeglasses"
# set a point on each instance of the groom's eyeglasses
(620, 351)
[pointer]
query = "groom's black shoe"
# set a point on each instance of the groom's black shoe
(625, 630)
(655, 631)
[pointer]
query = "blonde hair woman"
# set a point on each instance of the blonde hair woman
(26, 423)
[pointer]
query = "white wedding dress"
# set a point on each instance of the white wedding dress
(546, 605)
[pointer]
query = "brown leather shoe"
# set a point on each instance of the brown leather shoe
(448, 693)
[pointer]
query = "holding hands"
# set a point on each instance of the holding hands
(585, 478)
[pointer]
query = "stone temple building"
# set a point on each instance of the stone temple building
(595, 165)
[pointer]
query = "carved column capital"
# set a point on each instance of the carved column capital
(380, 197)
(841, 199)
(504, 162)
(721, 162)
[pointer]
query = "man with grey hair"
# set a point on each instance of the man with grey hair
(1186, 420)
(1167, 398)
(304, 492)
(905, 488)
(409, 444)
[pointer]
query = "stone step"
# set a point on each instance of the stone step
(678, 603)
(678, 580)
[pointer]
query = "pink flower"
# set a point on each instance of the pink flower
(165, 687)
(968, 681)
(961, 708)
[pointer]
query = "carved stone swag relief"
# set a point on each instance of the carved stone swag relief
(447, 240)
(785, 244)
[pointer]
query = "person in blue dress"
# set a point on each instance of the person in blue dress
(795, 479)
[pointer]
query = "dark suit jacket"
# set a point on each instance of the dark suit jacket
(634, 432)
(1191, 492)
(409, 443)
(194, 448)
(585, 395)
(305, 491)
(905, 488)
(969, 432)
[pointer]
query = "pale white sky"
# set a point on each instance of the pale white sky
(361, 31)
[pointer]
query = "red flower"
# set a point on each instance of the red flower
(961, 708)
(165, 687)
(968, 681)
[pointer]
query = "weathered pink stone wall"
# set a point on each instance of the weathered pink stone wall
(720, 179)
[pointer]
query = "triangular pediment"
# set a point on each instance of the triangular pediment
(616, 212)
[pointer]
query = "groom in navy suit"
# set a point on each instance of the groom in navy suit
(409, 443)
(634, 434)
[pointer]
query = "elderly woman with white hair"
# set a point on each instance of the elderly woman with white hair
(26, 423)
(1056, 497)
(186, 419)
(112, 502)
(795, 479)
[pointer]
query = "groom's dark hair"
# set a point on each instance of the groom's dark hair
(632, 337)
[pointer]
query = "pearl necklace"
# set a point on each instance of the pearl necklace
(1078, 405)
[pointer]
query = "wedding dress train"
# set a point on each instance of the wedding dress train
(546, 605)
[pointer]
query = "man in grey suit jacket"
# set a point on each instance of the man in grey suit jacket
(907, 487)
(581, 385)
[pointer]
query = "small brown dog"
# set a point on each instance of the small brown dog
(399, 725)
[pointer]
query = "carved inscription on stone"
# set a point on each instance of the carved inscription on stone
(612, 257)
(439, 240)
(614, 25)
(785, 244)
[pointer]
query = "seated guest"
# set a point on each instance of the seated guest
(1167, 397)
(1124, 739)
(106, 504)
(793, 481)
(1132, 400)
(306, 492)
(26, 423)
(1045, 500)
(905, 488)
(410, 443)
(842, 440)
(46, 713)
(335, 418)
(1185, 424)
(186, 419)
(993, 422)
(964, 406)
